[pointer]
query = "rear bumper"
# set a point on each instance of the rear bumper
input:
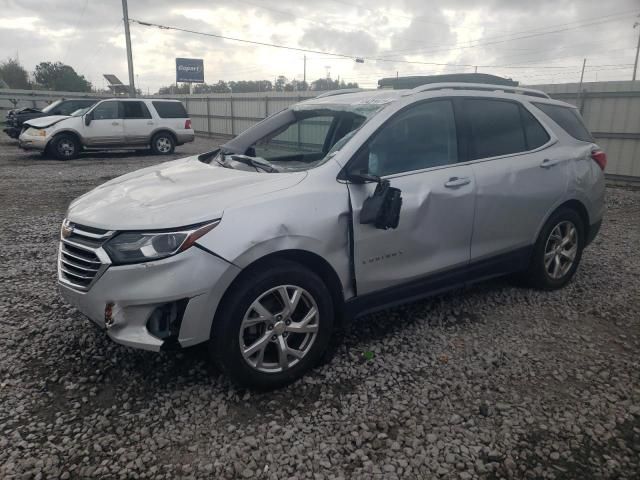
(185, 138)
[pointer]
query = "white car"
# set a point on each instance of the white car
(114, 123)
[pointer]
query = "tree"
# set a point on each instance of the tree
(329, 84)
(14, 74)
(182, 89)
(58, 76)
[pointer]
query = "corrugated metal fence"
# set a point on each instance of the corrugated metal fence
(611, 111)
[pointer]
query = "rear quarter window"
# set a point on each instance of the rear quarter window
(568, 119)
(170, 109)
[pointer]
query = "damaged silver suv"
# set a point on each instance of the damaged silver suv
(335, 207)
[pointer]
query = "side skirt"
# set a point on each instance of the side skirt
(514, 261)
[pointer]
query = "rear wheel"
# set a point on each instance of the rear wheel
(275, 326)
(557, 252)
(64, 147)
(163, 143)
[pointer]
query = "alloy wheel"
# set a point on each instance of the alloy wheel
(279, 329)
(561, 249)
(66, 148)
(163, 144)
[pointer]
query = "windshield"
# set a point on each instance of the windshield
(80, 112)
(296, 139)
(51, 106)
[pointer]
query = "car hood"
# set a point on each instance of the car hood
(173, 194)
(43, 122)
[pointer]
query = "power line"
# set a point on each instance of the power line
(243, 40)
(332, 54)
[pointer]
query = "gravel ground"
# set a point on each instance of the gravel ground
(490, 382)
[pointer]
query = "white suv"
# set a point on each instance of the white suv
(114, 123)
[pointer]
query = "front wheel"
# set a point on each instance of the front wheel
(65, 147)
(557, 252)
(274, 326)
(163, 143)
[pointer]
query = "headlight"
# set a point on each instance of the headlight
(136, 247)
(36, 132)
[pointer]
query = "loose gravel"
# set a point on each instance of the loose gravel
(491, 382)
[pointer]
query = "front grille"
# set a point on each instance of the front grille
(81, 259)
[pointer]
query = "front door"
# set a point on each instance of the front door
(417, 152)
(105, 129)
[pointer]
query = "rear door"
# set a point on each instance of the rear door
(417, 151)
(105, 129)
(520, 175)
(138, 123)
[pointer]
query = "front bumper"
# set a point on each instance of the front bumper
(135, 291)
(13, 132)
(28, 142)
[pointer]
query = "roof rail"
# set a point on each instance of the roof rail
(477, 86)
(339, 92)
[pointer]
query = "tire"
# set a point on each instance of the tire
(163, 143)
(64, 147)
(557, 251)
(240, 328)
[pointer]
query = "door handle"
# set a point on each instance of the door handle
(546, 163)
(149, 123)
(115, 123)
(455, 182)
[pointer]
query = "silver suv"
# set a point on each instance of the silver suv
(335, 207)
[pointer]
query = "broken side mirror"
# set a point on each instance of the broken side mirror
(87, 118)
(382, 209)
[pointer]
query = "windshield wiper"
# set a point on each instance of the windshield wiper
(252, 161)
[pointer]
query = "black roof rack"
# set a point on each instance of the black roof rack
(401, 83)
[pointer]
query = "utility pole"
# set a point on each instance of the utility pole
(584, 63)
(635, 65)
(304, 72)
(127, 36)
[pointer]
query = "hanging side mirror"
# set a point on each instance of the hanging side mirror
(382, 209)
(87, 118)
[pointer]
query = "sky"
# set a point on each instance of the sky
(534, 42)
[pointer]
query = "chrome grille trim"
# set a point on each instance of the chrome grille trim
(80, 265)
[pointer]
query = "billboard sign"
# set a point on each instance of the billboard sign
(189, 70)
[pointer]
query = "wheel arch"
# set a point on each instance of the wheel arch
(305, 258)
(164, 130)
(578, 207)
(73, 133)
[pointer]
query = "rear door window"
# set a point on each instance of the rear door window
(568, 119)
(496, 128)
(135, 110)
(170, 109)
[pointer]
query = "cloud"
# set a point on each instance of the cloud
(349, 43)
(88, 35)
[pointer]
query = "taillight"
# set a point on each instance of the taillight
(187, 124)
(600, 158)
